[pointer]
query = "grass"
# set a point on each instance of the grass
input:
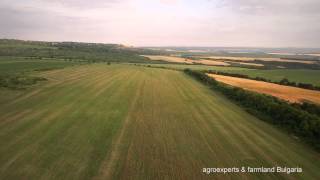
(120, 121)
(12, 65)
(297, 75)
(15, 72)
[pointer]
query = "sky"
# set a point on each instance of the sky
(245, 23)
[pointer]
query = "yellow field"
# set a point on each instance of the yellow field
(222, 60)
(187, 61)
(291, 94)
(209, 62)
(170, 59)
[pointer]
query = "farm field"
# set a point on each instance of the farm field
(174, 59)
(10, 65)
(251, 64)
(291, 94)
(169, 59)
(246, 62)
(119, 121)
(197, 67)
(259, 58)
(297, 75)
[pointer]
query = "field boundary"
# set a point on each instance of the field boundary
(290, 118)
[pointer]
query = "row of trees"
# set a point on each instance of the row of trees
(284, 81)
(292, 118)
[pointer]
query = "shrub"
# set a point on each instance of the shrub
(18, 82)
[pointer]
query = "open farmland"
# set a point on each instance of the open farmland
(119, 121)
(251, 64)
(174, 59)
(259, 58)
(299, 75)
(296, 75)
(10, 65)
(16, 72)
(198, 67)
(169, 59)
(287, 93)
(292, 54)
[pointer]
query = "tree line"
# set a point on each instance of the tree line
(299, 120)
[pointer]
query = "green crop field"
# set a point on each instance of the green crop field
(119, 121)
(11, 65)
(299, 76)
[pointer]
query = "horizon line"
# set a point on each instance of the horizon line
(166, 46)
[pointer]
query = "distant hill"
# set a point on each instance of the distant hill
(93, 52)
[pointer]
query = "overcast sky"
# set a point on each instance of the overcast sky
(263, 23)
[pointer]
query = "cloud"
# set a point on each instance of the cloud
(165, 22)
(84, 4)
(71, 4)
(294, 7)
(169, 2)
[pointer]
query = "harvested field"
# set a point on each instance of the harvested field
(209, 62)
(170, 59)
(187, 61)
(287, 93)
(119, 121)
(252, 64)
